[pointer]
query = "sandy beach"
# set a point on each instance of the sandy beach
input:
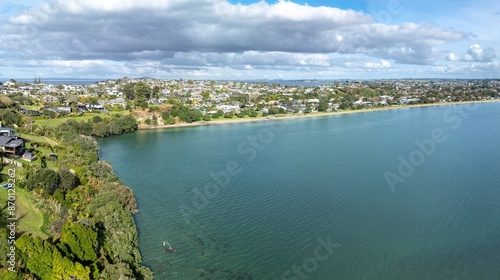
(301, 115)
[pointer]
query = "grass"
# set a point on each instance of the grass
(40, 139)
(31, 219)
(31, 107)
(87, 116)
(45, 151)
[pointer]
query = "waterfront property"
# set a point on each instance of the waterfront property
(10, 143)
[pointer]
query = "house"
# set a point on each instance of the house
(94, 106)
(227, 108)
(11, 145)
(117, 101)
(9, 142)
(64, 109)
(59, 110)
(50, 99)
(29, 112)
(7, 132)
(29, 156)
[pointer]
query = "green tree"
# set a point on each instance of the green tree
(206, 117)
(193, 116)
(323, 106)
(68, 181)
(37, 255)
(49, 113)
(274, 110)
(100, 129)
(155, 92)
(64, 268)
(80, 240)
(43, 178)
(169, 120)
(9, 117)
(96, 119)
(129, 91)
(142, 91)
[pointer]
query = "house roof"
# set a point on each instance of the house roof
(10, 142)
(28, 154)
(4, 140)
(6, 128)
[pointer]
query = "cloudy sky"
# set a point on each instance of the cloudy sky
(249, 39)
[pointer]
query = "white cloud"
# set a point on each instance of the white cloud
(153, 29)
(452, 57)
(477, 54)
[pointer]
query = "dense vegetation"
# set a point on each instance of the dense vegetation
(87, 211)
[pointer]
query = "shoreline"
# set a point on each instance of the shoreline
(310, 115)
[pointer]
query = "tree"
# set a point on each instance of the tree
(143, 104)
(9, 117)
(96, 119)
(142, 91)
(49, 113)
(103, 170)
(169, 120)
(206, 117)
(64, 268)
(274, 110)
(5, 101)
(43, 178)
(100, 129)
(68, 181)
(80, 240)
(37, 255)
(155, 92)
(323, 106)
(129, 91)
(193, 116)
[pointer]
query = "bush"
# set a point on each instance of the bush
(49, 113)
(96, 119)
(42, 178)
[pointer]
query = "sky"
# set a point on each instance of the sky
(249, 40)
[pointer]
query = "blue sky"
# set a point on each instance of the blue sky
(357, 5)
(220, 39)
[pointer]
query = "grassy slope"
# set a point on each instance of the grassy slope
(31, 219)
(85, 118)
(41, 139)
(45, 151)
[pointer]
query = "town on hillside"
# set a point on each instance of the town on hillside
(157, 101)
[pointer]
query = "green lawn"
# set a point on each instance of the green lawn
(85, 117)
(31, 219)
(40, 139)
(31, 107)
(58, 121)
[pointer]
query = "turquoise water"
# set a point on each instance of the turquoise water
(309, 198)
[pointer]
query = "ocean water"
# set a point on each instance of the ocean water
(400, 194)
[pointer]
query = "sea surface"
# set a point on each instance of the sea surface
(400, 194)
